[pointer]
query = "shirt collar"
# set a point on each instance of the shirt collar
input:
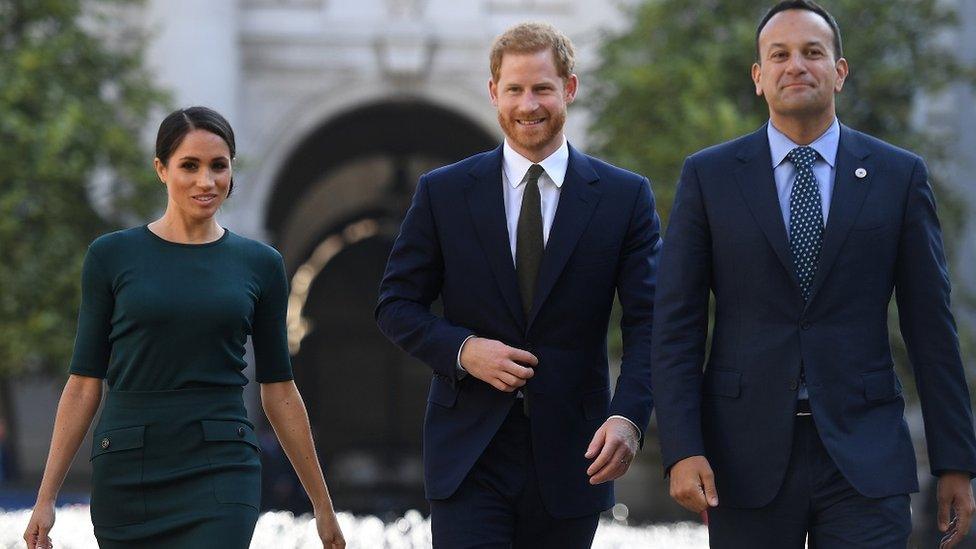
(516, 166)
(825, 145)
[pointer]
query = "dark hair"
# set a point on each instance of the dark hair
(180, 122)
(808, 5)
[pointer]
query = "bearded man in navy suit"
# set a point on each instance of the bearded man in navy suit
(526, 246)
(802, 231)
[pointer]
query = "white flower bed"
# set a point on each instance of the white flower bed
(282, 530)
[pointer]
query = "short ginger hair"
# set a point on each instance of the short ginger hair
(533, 38)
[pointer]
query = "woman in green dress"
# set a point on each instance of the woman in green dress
(165, 314)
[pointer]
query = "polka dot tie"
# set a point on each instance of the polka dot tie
(806, 218)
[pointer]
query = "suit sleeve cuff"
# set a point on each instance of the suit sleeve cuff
(940, 472)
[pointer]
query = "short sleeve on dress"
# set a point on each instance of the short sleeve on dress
(92, 346)
(270, 337)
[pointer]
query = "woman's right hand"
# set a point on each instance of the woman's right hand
(79, 402)
(329, 531)
(41, 522)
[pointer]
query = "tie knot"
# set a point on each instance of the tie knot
(535, 171)
(802, 157)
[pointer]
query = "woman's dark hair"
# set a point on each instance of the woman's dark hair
(180, 122)
(808, 5)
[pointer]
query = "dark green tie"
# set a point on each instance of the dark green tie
(529, 245)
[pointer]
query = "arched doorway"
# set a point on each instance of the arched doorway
(334, 212)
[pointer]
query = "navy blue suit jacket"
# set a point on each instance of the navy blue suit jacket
(454, 244)
(727, 237)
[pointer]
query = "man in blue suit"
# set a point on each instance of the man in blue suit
(802, 231)
(525, 245)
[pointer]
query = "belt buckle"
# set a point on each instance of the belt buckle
(803, 408)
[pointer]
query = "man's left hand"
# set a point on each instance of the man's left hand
(956, 506)
(614, 445)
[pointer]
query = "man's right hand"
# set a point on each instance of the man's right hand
(693, 484)
(504, 368)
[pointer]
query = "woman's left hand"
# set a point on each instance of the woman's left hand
(329, 531)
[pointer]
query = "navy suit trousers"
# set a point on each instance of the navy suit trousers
(498, 504)
(815, 500)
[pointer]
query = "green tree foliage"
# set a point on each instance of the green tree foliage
(678, 80)
(72, 104)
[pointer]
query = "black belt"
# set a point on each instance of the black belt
(803, 407)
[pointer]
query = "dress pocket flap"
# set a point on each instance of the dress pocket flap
(881, 385)
(722, 383)
(116, 440)
(227, 431)
(442, 393)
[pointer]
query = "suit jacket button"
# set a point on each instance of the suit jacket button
(240, 431)
(805, 326)
(105, 443)
(794, 385)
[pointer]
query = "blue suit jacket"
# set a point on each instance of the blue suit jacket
(454, 244)
(727, 237)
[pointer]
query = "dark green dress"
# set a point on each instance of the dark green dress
(174, 458)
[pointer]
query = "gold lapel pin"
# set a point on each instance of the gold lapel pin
(861, 173)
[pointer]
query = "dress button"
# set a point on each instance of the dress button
(793, 385)
(240, 431)
(105, 443)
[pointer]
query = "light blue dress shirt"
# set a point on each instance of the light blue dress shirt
(784, 173)
(824, 169)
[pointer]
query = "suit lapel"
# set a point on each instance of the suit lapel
(845, 204)
(578, 198)
(755, 179)
(486, 205)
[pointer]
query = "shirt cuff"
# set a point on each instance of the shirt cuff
(640, 434)
(461, 372)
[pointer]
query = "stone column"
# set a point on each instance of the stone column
(193, 51)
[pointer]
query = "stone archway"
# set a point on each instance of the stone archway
(334, 212)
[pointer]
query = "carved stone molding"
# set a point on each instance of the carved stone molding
(406, 9)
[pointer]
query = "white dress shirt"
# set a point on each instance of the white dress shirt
(514, 169)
